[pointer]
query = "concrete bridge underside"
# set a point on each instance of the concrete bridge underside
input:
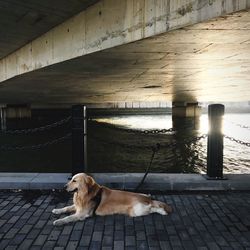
(208, 61)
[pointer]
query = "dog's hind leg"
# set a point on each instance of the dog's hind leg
(68, 209)
(160, 207)
(70, 218)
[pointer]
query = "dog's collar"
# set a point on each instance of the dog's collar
(97, 199)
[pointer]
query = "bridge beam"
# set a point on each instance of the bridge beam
(111, 23)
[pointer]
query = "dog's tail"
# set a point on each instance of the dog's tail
(160, 204)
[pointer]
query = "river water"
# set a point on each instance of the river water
(236, 156)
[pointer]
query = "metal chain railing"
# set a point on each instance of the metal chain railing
(36, 146)
(237, 141)
(39, 129)
(151, 131)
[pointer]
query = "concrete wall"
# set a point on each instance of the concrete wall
(111, 23)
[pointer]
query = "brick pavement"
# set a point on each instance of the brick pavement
(199, 221)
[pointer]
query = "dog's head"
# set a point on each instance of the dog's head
(81, 182)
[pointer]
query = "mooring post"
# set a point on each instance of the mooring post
(79, 139)
(215, 142)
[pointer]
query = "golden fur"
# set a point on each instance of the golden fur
(111, 201)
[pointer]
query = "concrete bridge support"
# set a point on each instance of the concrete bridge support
(14, 116)
(186, 115)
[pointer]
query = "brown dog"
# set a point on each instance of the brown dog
(91, 198)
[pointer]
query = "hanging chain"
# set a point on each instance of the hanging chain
(39, 129)
(36, 146)
(237, 141)
(146, 131)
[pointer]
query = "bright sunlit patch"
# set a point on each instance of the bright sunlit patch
(140, 122)
(204, 124)
(204, 128)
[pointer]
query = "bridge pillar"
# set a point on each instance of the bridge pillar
(185, 115)
(15, 116)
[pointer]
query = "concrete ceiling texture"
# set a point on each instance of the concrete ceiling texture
(209, 61)
(23, 21)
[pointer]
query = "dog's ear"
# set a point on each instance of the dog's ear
(92, 186)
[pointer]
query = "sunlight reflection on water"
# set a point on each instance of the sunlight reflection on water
(236, 156)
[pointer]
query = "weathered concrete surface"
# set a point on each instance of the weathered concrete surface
(110, 23)
(23, 21)
(199, 221)
(209, 61)
(154, 182)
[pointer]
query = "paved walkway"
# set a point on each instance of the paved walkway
(199, 221)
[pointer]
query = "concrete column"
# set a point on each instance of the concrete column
(185, 115)
(18, 111)
(17, 116)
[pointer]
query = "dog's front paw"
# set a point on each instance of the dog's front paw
(57, 223)
(56, 211)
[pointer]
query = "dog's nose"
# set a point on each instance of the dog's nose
(65, 187)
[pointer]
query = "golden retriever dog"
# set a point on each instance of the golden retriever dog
(92, 199)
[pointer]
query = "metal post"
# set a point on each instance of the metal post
(215, 142)
(3, 118)
(79, 139)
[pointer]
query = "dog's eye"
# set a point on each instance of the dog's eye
(73, 180)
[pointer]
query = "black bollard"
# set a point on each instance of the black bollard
(215, 142)
(79, 139)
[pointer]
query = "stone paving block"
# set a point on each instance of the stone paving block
(108, 230)
(119, 235)
(18, 239)
(25, 244)
(72, 245)
(107, 240)
(118, 245)
(188, 245)
(140, 235)
(85, 240)
(48, 245)
(97, 236)
(11, 233)
(54, 235)
(40, 240)
(130, 241)
(95, 245)
(33, 234)
(213, 246)
(153, 240)
(76, 235)
(165, 245)
(5, 228)
(175, 241)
